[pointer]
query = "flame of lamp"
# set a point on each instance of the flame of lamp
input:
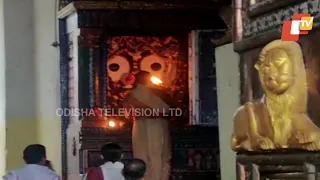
(111, 124)
(156, 81)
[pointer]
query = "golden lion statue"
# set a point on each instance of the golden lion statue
(279, 119)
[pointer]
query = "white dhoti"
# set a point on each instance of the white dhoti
(151, 143)
(151, 136)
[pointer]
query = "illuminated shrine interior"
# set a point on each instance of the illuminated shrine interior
(175, 44)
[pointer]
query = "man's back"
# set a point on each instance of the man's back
(32, 172)
(112, 171)
(107, 171)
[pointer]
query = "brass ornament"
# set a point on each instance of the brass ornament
(278, 120)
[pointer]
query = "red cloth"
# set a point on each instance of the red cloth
(95, 174)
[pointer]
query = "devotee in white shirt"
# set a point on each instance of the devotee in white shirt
(35, 169)
(112, 168)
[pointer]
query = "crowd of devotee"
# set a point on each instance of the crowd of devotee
(38, 167)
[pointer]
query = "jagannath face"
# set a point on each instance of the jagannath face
(128, 55)
(121, 65)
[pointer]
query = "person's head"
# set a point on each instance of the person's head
(35, 154)
(111, 152)
(134, 169)
(143, 78)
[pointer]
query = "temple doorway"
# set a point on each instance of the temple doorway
(98, 66)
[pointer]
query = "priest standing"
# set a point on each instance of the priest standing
(150, 134)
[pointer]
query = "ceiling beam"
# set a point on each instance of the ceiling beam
(145, 5)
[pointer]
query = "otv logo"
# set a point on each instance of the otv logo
(300, 24)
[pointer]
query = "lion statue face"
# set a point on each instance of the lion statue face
(275, 70)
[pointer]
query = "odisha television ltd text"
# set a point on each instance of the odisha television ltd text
(111, 112)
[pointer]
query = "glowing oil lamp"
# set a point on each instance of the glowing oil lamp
(111, 124)
(155, 80)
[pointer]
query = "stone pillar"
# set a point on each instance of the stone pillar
(48, 79)
(21, 80)
(228, 88)
(2, 95)
(29, 83)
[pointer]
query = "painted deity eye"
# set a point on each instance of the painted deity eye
(114, 67)
(117, 67)
(153, 64)
(156, 66)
